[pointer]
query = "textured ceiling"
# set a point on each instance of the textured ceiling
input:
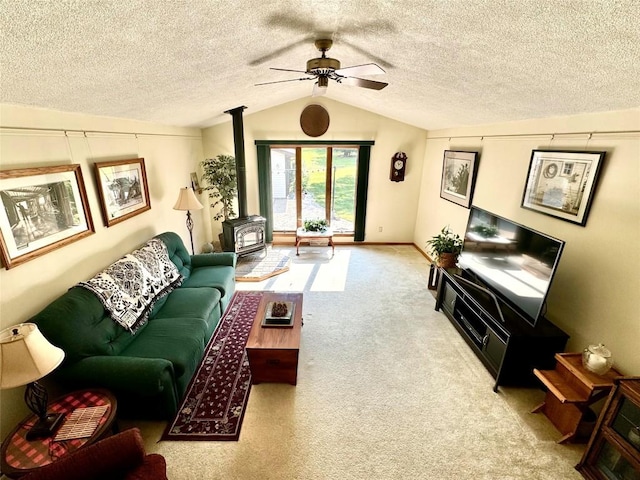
(448, 62)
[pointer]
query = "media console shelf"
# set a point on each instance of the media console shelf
(505, 343)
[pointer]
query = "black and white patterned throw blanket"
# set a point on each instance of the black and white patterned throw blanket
(129, 287)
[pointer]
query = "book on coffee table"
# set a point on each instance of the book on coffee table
(286, 320)
(81, 423)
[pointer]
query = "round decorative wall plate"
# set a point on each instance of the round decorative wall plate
(314, 120)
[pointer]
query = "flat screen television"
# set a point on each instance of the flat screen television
(516, 262)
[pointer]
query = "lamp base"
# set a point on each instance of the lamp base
(45, 427)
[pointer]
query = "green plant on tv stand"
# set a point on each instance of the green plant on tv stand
(445, 242)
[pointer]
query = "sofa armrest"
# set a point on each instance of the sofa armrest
(154, 467)
(143, 376)
(227, 259)
(113, 457)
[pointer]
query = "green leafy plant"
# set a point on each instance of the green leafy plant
(445, 242)
(319, 225)
(219, 178)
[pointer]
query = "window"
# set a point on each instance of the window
(314, 182)
(567, 169)
(289, 199)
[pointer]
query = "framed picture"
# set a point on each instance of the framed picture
(123, 189)
(561, 184)
(459, 171)
(195, 183)
(43, 209)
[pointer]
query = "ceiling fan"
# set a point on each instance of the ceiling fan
(325, 68)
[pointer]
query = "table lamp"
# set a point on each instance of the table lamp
(25, 357)
(188, 201)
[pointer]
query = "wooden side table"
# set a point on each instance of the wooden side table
(571, 390)
(20, 456)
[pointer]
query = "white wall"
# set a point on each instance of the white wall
(594, 296)
(170, 155)
(390, 205)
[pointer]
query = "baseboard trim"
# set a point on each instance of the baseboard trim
(282, 242)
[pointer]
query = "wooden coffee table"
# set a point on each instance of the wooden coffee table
(273, 351)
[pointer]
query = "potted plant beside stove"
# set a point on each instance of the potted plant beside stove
(445, 247)
(219, 177)
(220, 182)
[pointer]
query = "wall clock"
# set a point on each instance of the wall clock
(398, 167)
(314, 120)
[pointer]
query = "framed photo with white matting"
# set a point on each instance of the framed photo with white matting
(459, 170)
(562, 183)
(123, 189)
(43, 209)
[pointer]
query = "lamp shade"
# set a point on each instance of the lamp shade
(26, 356)
(187, 200)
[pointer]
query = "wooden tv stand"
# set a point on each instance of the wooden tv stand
(508, 346)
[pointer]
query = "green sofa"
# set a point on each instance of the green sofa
(149, 371)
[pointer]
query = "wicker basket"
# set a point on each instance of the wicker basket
(447, 260)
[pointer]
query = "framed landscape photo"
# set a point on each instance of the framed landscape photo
(123, 189)
(562, 184)
(43, 209)
(459, 171)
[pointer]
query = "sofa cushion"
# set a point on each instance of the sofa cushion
(181, 341)
(199, 303)
(187, 319)
(220, 277)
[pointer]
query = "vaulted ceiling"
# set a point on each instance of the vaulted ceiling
(448, 62)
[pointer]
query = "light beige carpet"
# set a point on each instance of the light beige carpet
(387, 389)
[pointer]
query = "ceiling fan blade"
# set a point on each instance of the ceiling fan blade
(283, 81)
(280, 51)
(287, 70)
(366, 69)
(368, 54)
(318, 91)
(361, 82)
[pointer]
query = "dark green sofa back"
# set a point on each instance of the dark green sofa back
(78, 323)
(177, 252)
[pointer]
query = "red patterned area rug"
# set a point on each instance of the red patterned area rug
(215, 401)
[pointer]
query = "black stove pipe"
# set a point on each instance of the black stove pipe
(241, 166)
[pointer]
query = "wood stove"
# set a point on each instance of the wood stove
(245, 234)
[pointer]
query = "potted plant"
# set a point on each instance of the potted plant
(219, 178)
(319, 225)
(445, 247)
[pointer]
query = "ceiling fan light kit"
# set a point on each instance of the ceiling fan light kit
(324, 68)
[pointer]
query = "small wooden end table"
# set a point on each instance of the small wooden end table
(571, 389)
(20, 456)
(304, 236)
(273, 351)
